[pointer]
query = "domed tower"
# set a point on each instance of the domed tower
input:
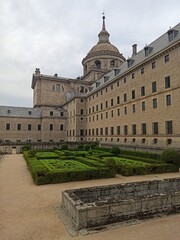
(101, 58)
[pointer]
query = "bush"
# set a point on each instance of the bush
(171, 156)
(25, 148)
(115, 150)
(64, 146)
(32, 153)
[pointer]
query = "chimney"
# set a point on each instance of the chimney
(134, 49)
(37, 71)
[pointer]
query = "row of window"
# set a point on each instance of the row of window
(117, 131)
(133, 96)
(142, 70)
(51, 113)
(29, 127)
(127, 140)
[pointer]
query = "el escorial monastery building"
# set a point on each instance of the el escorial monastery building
(132, 102)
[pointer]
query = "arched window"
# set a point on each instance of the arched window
(112, 63)
(57, 88)
(98, 64)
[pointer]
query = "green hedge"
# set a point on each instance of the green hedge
(44, 172)
(141, 154)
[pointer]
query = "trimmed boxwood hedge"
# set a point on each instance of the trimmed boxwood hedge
(44, 173)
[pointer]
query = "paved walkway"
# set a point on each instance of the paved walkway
(27, 211)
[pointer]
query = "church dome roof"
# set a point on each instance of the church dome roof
(103, 47)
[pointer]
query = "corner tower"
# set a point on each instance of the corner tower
(101, 58)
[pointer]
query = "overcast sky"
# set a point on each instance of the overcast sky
(55, 35)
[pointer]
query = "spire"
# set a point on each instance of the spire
(103, 26)
(103, 35)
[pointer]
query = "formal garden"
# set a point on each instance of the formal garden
(93, 162)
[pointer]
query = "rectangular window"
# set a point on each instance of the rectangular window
(155, 103)
(106, 104)
(143, 128)
(81, 112)
(133, 108)
(166, 58)
(81, 132)
(143, 106)
(118, 99)
(133, 94)
(29, 127)
(118, 84)
(51, 113)
(167, 82)
(133, 75)
(111, 87)
(89, 110)
(61, 127)
(118, 130)
(169, 127)
(93, 131)
(142, 70)
(134, 129)
(125, 110)
(62, 114)
(101, 106)
(106, 131)
(39, 127)
(101, 115)
(96, 107)
(155, 127)
(101, 131)
(8, 126)
(97, 131)
(51, 127)
(93, 109)
(112, 130)
(97, 117)
(112, 113)
(154, 88)
(124, 80)
(18, 126)
(111, 102)
(153, 65)
(125, 129)
(89, 132)
(168, 100)
(106, 114)
(142, 91)
(125, 97)
(118, 111)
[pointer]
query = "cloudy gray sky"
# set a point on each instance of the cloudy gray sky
(55, 35)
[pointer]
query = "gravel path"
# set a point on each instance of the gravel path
(27, 211)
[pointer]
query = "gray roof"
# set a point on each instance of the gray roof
(155, 47)
(8, 111)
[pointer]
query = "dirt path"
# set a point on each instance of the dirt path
(27, 213)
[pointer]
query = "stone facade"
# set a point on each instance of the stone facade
(131, 103)
(97, 206)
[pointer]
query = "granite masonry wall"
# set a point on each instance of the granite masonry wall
(96, 206)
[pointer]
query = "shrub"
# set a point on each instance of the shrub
(32, 153)
(64, 146)
(171, 156)
(80, 146)
(115, 150)
(25, 148)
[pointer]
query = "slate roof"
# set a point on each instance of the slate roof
(155, 47)
(8, 111)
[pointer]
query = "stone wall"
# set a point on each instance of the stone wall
(90, 207)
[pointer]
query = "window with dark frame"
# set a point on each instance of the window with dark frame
(142, 91)
(154, 87)
(155, 103)
(51, 127)
(155, 128)
(168, 100)
(169, 127)
(166, 58)
(19, 126)
(143, 128)
(167, 82)
(29, 127)
(8, 126)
